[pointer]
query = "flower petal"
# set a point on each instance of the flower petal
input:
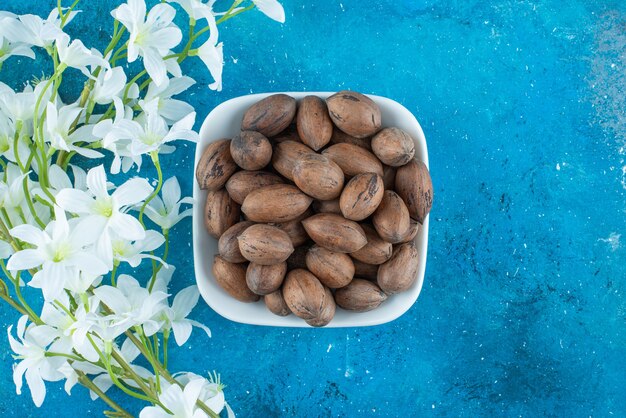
(185, 301)
(170, 193)
(127, 227)
(182, 331)
(174, 110)
(133, 191)
(74, 201)
(88, 263)
(80, 177)
(153, 412)
(152, 241)
(213, 57)
(52, 279)
(155, 66)
(272, 9)
(192, 390)
(25, 259)
(88, 230)
(166, 38)
(36, 386)
(201, 326)
(86, 152)
(29, 234)
(18, 376)
(58, 178)
(113, 298)
(161, 14)
(97, 181)
(42, 335)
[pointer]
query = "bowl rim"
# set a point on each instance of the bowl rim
(198, 227)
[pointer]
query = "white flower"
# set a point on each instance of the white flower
(212, 392)
(271, 8)
(181, 403)
(103, 213)
(33, 30)
(76, 55)
(175, 318)
(62, 326)
(212, 56)
(132, 304)
(134, 252)
(166, 212)
(8, 49)
(59, 250)
(20, 107)
(88, 321)
(57, 132)
(12, 192)
(10, 46)
(151, 36)
(109, 84)
(31, 350)
(171, 110)
(148, 133)
(182, 305)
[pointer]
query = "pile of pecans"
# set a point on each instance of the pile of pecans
(317, 213)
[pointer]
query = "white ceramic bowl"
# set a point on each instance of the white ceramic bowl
(224, 122)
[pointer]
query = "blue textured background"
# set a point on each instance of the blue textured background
(523, 309)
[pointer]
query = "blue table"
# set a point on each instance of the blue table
(523, 309)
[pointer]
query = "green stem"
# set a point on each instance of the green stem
(124, 365)
(185, 52)
(113, 271)
(16, 139)
(85, 381)
(18, 292)
(65, 16)
(5, 214)
(231, 15)
(5, 231)
(57, 73)
(155, 159)
(119, 54)
(113, 375)
(20, 213)
(118, 31)
(13, 304)
(31, 206)
(60, 157)
(166, 337)
(70, 356)
(131, 82)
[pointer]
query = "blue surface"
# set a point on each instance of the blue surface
(523, 311)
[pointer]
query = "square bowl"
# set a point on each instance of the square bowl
(225, 122)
